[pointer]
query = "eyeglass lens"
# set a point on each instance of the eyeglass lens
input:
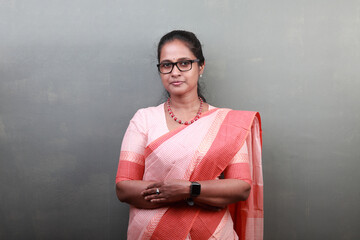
(183, 66)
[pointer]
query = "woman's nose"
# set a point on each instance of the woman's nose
(175, 70)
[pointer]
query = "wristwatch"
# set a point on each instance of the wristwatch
(195, 189)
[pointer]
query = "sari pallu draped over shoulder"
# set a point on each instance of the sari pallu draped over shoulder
(220, 134)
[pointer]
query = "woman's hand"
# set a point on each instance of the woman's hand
(169, 191)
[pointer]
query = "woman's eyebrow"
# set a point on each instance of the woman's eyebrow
(179, 59)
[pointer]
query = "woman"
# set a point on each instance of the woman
(187, 169)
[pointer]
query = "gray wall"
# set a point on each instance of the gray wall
(72, 74)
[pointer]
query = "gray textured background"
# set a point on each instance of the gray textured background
(72, 74)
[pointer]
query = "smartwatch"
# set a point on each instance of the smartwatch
(195, 189)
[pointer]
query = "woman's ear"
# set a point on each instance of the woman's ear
(201, 68)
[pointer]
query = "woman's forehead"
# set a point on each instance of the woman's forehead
(175, 50)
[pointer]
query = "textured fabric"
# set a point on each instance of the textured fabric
(220, 141)
(248, 215)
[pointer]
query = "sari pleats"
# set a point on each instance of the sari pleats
(248, 215)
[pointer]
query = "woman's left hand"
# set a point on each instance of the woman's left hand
(167, 192)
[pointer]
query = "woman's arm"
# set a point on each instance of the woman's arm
(129, 191)
(220, 193)
(216, 193)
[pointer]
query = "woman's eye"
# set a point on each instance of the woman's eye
(184, 63)
(166, 65)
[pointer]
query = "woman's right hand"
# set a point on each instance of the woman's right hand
(130, 191)
(167, 192)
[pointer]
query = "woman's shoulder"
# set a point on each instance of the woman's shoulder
(227, 110)
(239, 115)
(233, 110)
(150, 111)
(147, 115)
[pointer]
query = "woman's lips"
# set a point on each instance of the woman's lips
(176, 83)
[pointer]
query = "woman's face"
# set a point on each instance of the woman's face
(179, 83)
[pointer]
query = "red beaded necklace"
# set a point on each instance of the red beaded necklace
(186, 122)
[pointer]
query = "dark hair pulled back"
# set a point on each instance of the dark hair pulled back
(191, 41)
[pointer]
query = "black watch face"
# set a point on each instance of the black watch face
(195, 189)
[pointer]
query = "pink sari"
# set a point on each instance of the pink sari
(221, 141)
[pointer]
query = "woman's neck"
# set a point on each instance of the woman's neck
(185, 102)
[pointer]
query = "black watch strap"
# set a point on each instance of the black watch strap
(190, 202)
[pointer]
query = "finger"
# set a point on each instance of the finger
(154, 185)
(150, 197)
(157, 200)
(151, 192)
(153, 196)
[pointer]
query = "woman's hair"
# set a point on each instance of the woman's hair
(191, 41)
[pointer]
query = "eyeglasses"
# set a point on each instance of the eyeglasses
(183, 66)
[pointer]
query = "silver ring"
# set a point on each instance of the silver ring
(157, 191)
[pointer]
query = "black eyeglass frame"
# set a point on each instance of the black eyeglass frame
(176, 63)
